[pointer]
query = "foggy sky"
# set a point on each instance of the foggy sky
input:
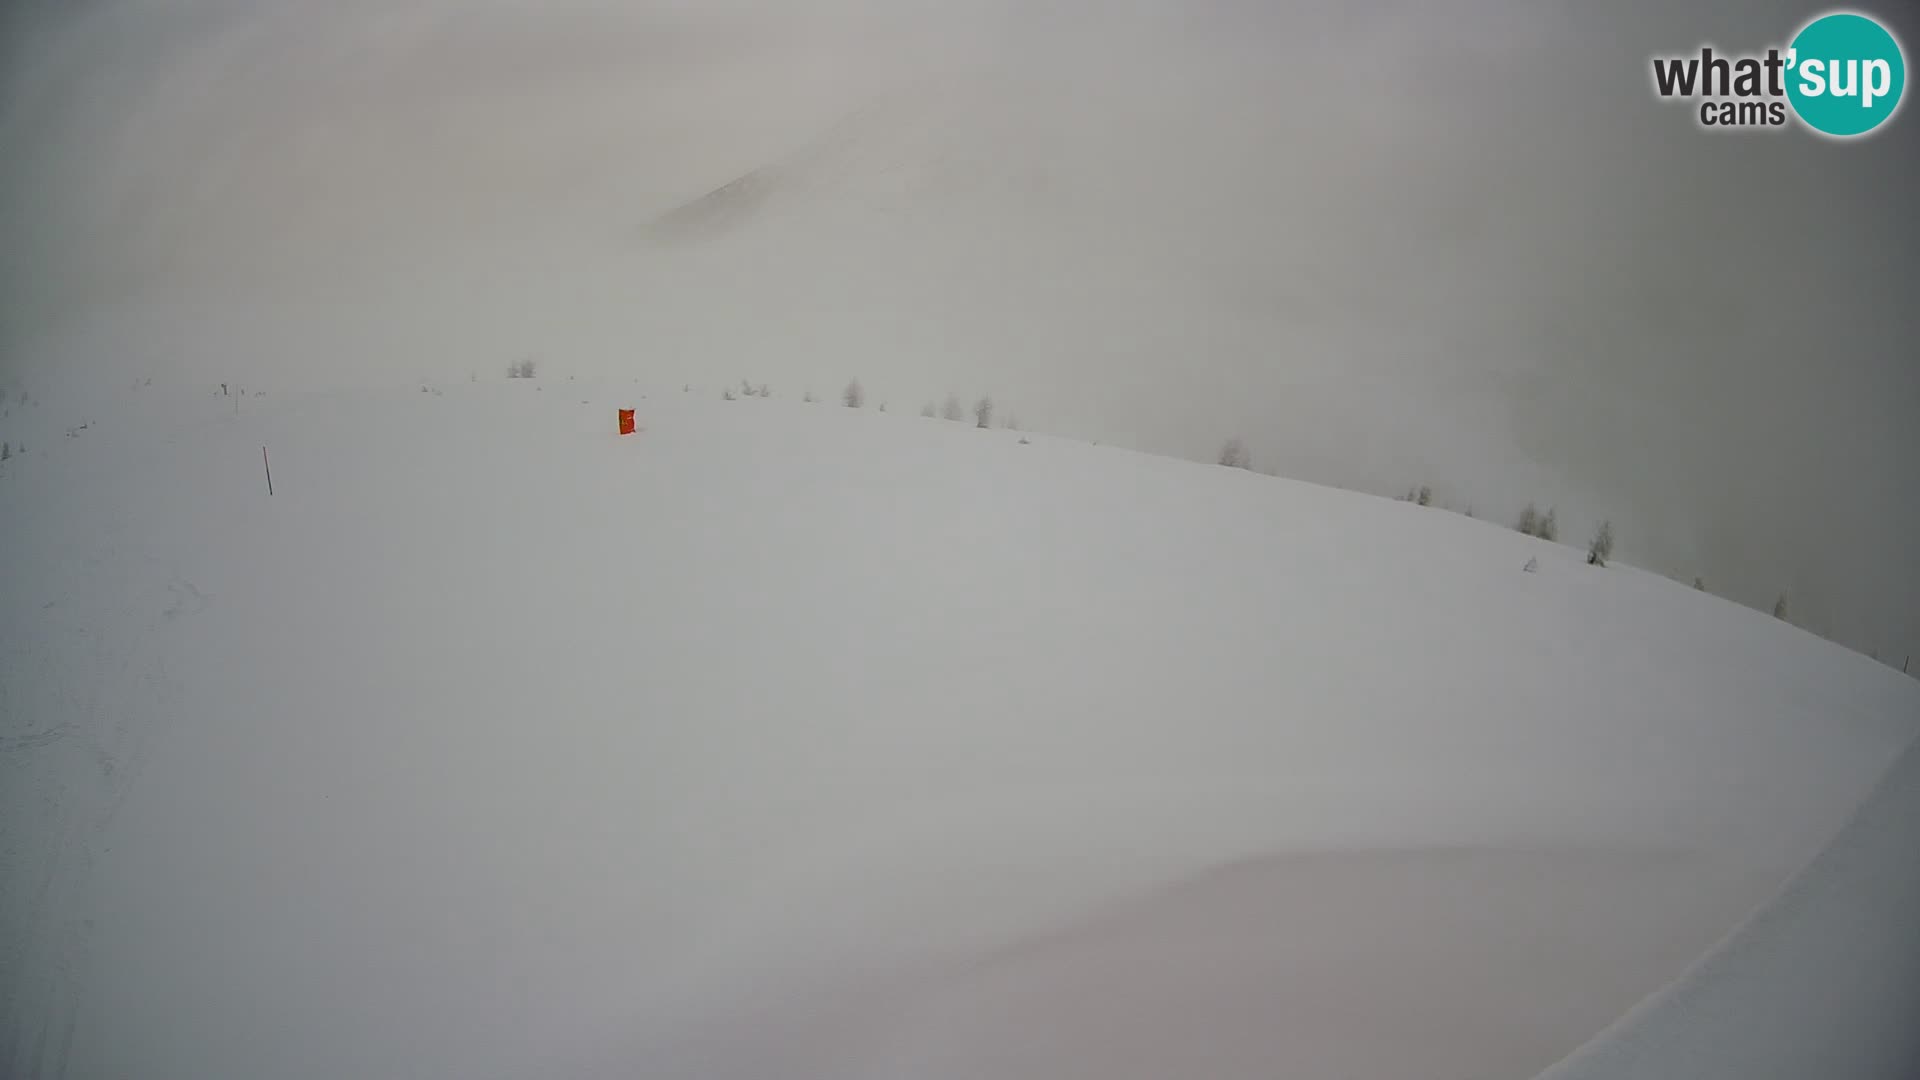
(1388, 246)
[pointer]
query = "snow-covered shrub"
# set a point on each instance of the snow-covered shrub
(1529, 522)
(1601, 548)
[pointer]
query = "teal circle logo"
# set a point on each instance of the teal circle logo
(1845, 74)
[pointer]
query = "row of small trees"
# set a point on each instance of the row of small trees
(854, 396)
(1599, 549)
(747, 389)
(952, 410)
(1532, 522)
(1234, 455)
(1545, 526)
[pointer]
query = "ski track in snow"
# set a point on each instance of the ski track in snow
(114, 694)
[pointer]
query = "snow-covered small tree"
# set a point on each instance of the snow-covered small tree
(1548, 528)
(953, 410)
(852, 397)
(1700, 584)
(727, 394)
(929, 411)
(6, 451)
(807, 397)
(1424, 496)
(1529, 522)
(1780, 607)
(1601, 548)
(764, 392)
(1233, 454)
(983, 412)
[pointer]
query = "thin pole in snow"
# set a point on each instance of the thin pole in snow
(269, 467)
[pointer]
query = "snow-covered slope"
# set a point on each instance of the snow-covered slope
(1823, 981)
(784, 740)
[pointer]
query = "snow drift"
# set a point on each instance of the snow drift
(784, 740)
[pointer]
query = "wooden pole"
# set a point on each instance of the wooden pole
(269, 467)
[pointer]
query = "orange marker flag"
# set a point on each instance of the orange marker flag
(626, 421)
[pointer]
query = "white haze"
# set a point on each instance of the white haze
(1386, 246)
